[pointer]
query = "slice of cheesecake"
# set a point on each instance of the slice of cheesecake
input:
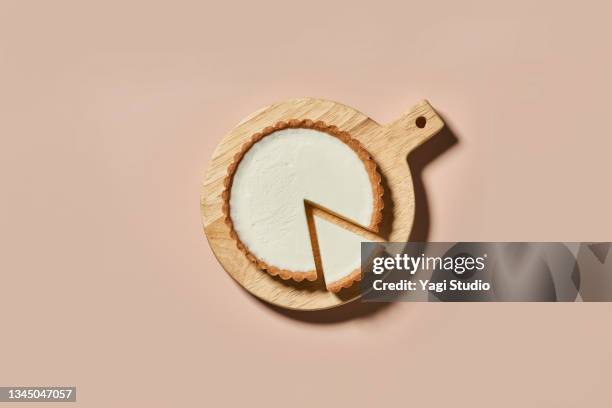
(339, 249)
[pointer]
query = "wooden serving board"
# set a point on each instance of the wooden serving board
(388, 145)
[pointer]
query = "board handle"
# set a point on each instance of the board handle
(413, 128)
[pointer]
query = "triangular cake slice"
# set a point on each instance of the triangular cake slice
(338, 248)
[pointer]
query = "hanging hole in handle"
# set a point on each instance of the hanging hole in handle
(420, 122)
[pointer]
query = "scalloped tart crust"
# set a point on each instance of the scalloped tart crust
(265, 192)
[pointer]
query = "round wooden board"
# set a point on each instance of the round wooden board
(388, 145)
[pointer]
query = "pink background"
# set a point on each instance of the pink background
(109, 112)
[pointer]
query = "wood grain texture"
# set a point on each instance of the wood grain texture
(388, 145)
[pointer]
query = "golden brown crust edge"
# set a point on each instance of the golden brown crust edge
(345, 282)
(375, 181)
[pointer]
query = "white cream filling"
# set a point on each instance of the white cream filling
(339, 248)
(267, 198)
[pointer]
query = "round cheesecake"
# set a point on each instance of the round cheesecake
(270, 180)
